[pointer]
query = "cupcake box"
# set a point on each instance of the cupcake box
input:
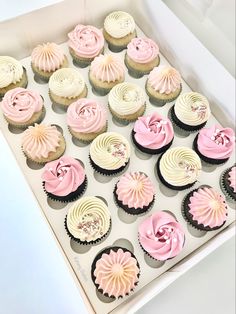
(154, 276)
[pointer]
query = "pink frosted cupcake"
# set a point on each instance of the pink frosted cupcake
(22, 107)
(228, 182)
(215, 145)
(163, 85)
(85, 43)
(46, 59)
(153, 134)
(161, 236)
(142, 56)
(106, 71)
(64, 179)
(86, 119)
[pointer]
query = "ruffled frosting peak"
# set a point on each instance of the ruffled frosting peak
(47, 57)
(164, 79)
(116, 273)
(161, 236)
(153, 131)
(63, 176)
(208, 207)
(119, 24)
(232, 178)
(11, 71)
(107, 68)
(135, 189)
(142, 50)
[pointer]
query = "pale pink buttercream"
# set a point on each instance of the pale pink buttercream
(142, 50)
(164, 79)
(86, 116)
(107, 68)
(208, 207)
(161, 236)
(87, 41)
(39, 140)
(19, 104)
(232, 179)
(135, 189)
(47, 57)
(216, 142)
(63, 176)
(153, 131)
(116, 273)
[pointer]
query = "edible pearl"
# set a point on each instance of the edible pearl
(167, 241)
(149, 232)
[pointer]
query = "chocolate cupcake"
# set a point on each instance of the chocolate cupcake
(228, 182)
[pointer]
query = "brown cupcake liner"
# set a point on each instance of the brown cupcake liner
(226, 189)
(105, 171)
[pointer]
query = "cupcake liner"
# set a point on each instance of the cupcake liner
(99, 90)
(82, 63)
(181, 125)
(131, 210)
(105, 171)
(40, 76)
(115, 48)
(125, 120)
(98, 256)
(170, 186)
(135, 73)
(149, 150)
(207, 159)
(70, 197)
(86, 242)
(227, 190)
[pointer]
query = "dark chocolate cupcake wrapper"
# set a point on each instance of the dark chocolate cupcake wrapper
(148, 150)
(172, 187)
(105, 171)
(70, 197)
(107, 251)
(207, 159)
(229, 193)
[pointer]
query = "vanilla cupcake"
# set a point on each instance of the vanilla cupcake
(141, 57)
(126, 101)
(46, 59)
(119, 29)
(85, 43)
(106, 71)
(163, 85)
(12, 75)
(191, 111)
(66, 86)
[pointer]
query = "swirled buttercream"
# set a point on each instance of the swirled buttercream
(11, 71)
(142, 50)
(119, 24)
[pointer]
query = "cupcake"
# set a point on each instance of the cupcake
(106, 71)
(119, 29)
(12, 75)
(191, 111)
(66, 86)
(163, 85)
(46, 59)
(141, 57)
(85, 43)
(228, 182)
(22, 107)
(115, 272)
(64, 179)
(205, 209)
(153, 134)
(161, 236)
(126, 102)
(109, 153)
(179, 168)
(134, 193)
(88, 220)
(42, 143)
(86, 119)
(215, 145)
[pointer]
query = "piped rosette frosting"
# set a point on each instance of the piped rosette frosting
(11, 71)
(232, 178)
(88, 219)
(107, 68)
(87, 41)
(116, 272)
(86, 116)
(208, 207)
(164, 79)
(119, 24)
(216, 142)
(19, 104)
(153, 131)
(161, 236)
(142, 50)
(135, 190)
(47, 57)
(63, 176)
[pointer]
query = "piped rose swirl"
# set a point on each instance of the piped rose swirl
(142, 50)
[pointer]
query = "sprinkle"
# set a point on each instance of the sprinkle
(170, 230)
(61, 178)
(149, 232)
(168, 241)
(156, 239)
(166, 238)
(213, 138)
(175, 240)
